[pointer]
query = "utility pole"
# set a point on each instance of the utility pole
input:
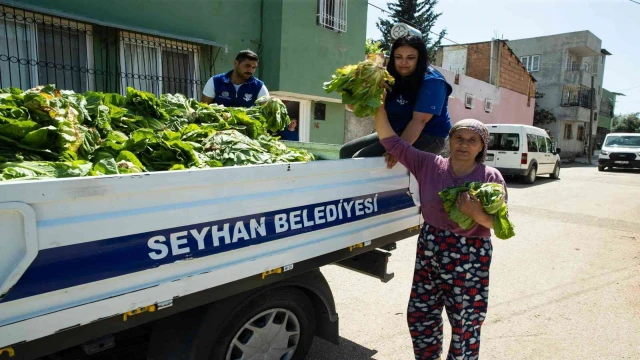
(592, 103)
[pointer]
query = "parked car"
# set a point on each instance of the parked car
(620, 150)
(522, 150)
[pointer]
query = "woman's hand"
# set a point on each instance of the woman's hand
(472, 207)
(390, 160)
(469, 205)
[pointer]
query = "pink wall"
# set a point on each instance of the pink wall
(509, 107)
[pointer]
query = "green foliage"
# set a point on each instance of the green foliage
(629, 123)
(360, 86)
(419, 14)
(46, 132)
(491, 195)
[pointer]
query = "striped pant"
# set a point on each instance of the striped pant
(451, 272)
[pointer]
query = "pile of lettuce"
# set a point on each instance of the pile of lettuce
(46, 132)
(360, 86)
(492, 197)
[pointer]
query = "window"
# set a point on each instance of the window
(532, 143)
(19, 43)
(550, 148)
(332, 14)
(159, 65)
(38, 50)
(320, 111)
(535, 63)
(488, 105)
(542, 145)
(599, 89)
(531, 63)
(568, 132)
(525, 61)
(468, 101)
(580, 136)
(587, 67)
(504, 142)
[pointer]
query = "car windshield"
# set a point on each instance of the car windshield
(623, 141)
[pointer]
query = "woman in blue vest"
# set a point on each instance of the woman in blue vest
(238, 87)
(417, 104)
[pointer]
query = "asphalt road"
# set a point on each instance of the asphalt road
(566, 287)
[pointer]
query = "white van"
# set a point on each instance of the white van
(522, 150)
(620, 150)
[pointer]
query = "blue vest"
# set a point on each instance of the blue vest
(226, 94)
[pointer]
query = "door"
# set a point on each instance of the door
(541, 156)
(303, 107)
(534, 154)
(553, 159)
(507, 150)
(492, 150)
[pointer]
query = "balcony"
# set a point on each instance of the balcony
(577, 75)
(574, 113)
(581, 98)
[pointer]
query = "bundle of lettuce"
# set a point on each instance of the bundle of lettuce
(491, 195)
(361, 86)
(50, 133)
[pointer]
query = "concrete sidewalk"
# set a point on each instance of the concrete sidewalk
(583, 160)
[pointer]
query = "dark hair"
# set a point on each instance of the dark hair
(246, 55)
(408, 86)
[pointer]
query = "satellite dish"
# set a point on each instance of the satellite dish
(400, 30)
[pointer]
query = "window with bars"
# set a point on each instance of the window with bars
(568, 132)
(39, 49)
(580, 136)
(43, 50)
(332, 14)
(158, 65)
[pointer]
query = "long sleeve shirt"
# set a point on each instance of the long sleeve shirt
(434, 174)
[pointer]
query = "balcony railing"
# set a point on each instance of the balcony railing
(581, 98)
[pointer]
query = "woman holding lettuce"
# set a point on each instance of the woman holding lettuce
(417, 104)
(452, 264)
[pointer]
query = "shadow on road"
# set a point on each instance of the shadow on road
(516, 183)
(626, 171)
(348, 350)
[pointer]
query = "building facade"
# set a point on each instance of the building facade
(566, 65)
(489, 83)
(176, 46)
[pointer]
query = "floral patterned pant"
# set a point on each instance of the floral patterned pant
(451, 272)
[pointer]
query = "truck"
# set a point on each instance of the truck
(219, 263)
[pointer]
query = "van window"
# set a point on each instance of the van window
(549, 145)
(542, 145)
(532, 143)
(504, 142)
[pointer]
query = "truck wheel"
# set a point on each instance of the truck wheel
(278, 325)
(530, 178)
(556, 172)
(601, 168)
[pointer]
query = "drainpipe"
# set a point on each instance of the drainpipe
(491, 63)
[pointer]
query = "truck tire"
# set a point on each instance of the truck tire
(601, 168)
(282, 321)
(530, 178)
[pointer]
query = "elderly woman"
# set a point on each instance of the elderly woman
(452, 264)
